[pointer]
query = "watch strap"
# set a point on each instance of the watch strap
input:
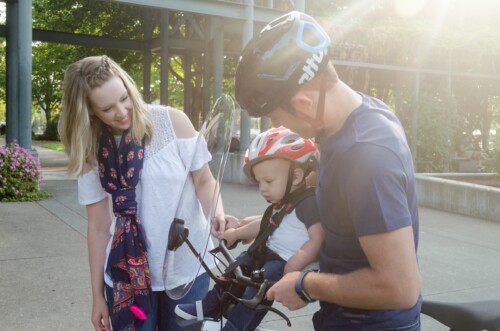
(299, 287)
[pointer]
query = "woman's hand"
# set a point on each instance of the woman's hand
(100, 315)
(231, 222)
(221, 224)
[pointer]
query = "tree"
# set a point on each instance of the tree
(98, 18)
(459, 36)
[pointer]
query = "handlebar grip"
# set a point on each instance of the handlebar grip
(223, 242)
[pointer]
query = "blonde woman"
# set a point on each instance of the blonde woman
(131, 156)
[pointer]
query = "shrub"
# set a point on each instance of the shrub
(20, 175)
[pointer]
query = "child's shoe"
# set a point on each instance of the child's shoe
(210, 306)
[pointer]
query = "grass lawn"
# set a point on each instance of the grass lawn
(53, 146)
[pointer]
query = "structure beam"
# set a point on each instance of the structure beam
(226, 9)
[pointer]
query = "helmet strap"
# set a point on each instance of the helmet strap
(320, 132)
(316, 123)
(289, 182)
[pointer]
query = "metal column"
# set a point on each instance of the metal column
(25, 71)
(12, 72)
(147, 56)
(188, 90)
(245, 38)
(206, 71)
(218, 58)
(19, 37)
(164, 55)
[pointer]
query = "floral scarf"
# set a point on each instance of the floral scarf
(120, 169)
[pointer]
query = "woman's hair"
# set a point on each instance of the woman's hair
(78, 130)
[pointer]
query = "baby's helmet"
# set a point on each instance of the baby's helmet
(281, 143)
(286, 54)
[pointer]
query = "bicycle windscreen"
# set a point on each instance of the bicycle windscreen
(181, 266)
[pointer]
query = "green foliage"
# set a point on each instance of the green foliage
(93, 17)
(436, 137)
(20, 175)
(51, 130)
(460, 37)
(54, 146)
(492, 157)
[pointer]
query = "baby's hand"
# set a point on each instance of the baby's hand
(230, 236)
(222, 223)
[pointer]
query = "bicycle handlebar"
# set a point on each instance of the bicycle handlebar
(255, 302)
(178, 235)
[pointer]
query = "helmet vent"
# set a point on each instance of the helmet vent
(289, 140)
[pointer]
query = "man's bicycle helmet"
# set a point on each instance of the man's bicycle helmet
(281, 143)
(286, 54)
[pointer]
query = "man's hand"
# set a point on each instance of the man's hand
(284, 292)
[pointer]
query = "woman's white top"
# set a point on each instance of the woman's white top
(166, 174)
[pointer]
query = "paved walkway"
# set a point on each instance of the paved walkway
(44, 274)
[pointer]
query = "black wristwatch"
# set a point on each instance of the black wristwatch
(299, 289)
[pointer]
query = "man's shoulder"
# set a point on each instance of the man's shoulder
(307, 210)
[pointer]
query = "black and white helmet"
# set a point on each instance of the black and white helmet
(286, 54)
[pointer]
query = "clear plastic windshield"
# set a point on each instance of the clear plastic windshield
(195, 210)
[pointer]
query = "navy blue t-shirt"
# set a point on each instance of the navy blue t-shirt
(366, 185)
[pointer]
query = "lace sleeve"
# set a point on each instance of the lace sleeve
(163, 131)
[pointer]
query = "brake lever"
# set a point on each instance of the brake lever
(255, 302)
(276, 311)
(216, 249)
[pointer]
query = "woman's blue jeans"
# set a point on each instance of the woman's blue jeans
(163, 316)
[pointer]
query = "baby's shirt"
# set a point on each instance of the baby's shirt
(292, 233)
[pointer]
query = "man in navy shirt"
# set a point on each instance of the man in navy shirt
(366, 194)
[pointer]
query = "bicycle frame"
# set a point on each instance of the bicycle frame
(465, 316)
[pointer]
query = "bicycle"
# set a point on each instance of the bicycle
(462, 316)
(465, 316)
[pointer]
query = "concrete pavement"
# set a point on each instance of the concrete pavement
(44, 274)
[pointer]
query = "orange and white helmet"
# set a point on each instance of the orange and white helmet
(282, 143)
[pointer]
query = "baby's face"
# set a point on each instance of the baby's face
(272, 177)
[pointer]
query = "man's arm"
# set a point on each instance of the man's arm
(308, 252)
(392, 281)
